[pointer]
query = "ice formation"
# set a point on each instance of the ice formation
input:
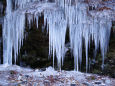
(13, 33)
(84, 25)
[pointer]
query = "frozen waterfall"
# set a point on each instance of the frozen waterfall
(84, 26)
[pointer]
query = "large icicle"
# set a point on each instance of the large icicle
(57, 32)
(13, 30)
(13, 33)
(7, 49)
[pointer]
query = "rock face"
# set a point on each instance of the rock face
(1, 8)
(2, 13)
(1, 22)
(35, 49)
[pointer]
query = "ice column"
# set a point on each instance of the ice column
(13, 30)
(57, 32)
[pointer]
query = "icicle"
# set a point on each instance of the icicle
(57, 31)
(13, 34)
(104, 37)
(30, 20)
(6, 33)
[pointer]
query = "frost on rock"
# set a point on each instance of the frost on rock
(84, 25)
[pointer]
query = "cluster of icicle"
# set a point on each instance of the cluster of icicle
(58, 15)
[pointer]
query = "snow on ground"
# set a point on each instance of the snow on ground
(18, 76)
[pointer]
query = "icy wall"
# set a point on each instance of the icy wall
(84, 22)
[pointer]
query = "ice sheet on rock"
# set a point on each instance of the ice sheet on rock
(14, 67)
(49, 71)
(22, 3)
(49, 76)
(38, 7)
